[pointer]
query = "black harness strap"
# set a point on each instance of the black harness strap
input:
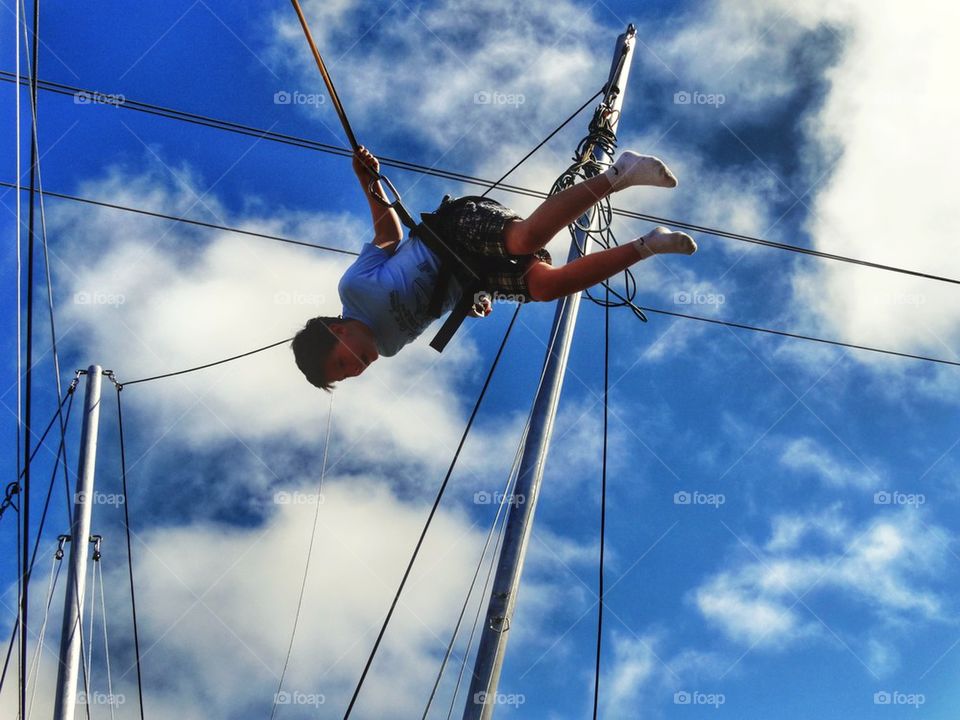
(470, 271)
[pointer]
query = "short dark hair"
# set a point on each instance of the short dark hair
(312, 345)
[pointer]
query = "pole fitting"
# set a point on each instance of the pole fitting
(61, 540)
(500, 624)
(95, 539)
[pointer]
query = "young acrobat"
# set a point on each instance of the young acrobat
(386, 291)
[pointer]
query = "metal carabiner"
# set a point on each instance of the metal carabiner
(396, 204)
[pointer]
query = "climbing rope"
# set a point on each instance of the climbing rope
(205, 366)
(433, 511)
(307, 144)
(306, 564)
(61, 454)
(126, 527)
(106, 648)
(55, 568)
(603, 498)
(507, 493)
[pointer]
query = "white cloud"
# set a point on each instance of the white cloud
(888, 117)
(502, 66)
(807, 456)
(883, 568)
(216, 606)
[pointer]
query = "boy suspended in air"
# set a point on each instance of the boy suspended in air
(386, 293)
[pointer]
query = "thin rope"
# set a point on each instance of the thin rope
(306, 565)
(126, 526)
(93, 621)
(603, 497)
(476, 617)
(55, 567)
(542, 143)
(61, 451)
(433, 511)
(106, 647)
(228, 126)
(797, 336)
(28, 395)
(506, 494)
(188, 221)
(207, 365)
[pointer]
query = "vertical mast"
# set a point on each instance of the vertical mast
(481, 701)
(70, 636)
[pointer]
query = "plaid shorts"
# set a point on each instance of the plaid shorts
(476, 224)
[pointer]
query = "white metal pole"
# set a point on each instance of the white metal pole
(70, 636)
(482, 699)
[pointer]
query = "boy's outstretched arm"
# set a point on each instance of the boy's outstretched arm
(388, 232)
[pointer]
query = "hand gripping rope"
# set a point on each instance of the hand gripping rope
(451, 260)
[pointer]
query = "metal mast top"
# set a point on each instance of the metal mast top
(482, 698)
(70, 635)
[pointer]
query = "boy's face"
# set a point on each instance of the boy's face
(350, 356)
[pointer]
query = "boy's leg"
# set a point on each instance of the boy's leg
(524, 237)
(546, 282)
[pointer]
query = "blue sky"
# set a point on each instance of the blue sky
(810, 575)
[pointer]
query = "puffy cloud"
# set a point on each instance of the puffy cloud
(806, 455)
(216, 606)
(884, 199)
(883, 567)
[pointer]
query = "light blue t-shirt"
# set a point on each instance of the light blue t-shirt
(390, 292)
